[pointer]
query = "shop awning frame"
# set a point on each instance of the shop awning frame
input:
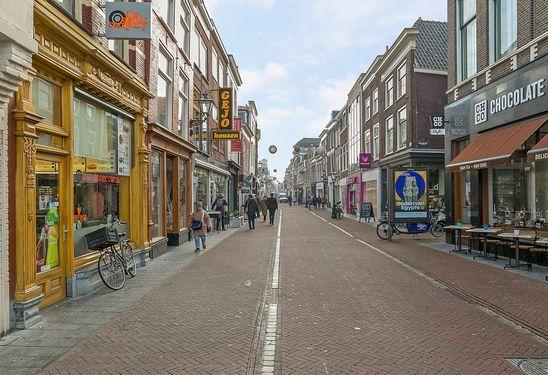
(540, 151)
(495, 147)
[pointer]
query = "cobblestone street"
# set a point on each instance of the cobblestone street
(346, 303)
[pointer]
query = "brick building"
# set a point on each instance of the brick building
(495, 144)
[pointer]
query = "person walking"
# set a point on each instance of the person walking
(220, 206)
(290, 200)
(272, 204)
(251, 206)
(200, 225)
(315, 202)
(263, 207)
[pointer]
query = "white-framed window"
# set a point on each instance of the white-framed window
(466, 39)
(376, 142)
(402, 128)
(389, 136)
(367, 108)
(214, 65)
(505, 27)
(164, 88)
(389, 97)
(202, 56)
(376, 100)
(183, 125)
(367, 141)
(402, 80)
(120, 48)
(185, 28)
(166, 12)
(222, 73)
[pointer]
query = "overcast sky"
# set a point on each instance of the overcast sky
(299, 58)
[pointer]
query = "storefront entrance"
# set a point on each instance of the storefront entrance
(51, 227)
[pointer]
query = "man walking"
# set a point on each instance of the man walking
(220, 206)
(263, 207)
(251, 206)
(272, 204)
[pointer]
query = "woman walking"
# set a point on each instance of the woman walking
(200, 225)
(264, 207)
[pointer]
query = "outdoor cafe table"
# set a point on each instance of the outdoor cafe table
(544, 242)
(458, 231)
(484, 233)
(516, 238)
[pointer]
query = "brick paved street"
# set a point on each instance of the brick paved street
(342, 308)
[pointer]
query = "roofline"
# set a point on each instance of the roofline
(234, 67)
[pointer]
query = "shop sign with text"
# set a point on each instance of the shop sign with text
(410, 195)
(125, 20)
(225, 135)
(235, 146)
(225, 109)
(366, 159)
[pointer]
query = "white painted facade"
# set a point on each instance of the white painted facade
(16, 49)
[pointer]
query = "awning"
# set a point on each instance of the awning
(495, 147)
(540, 151)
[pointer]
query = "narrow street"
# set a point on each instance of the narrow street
(346, 303)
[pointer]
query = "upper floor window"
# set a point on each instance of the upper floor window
(389, 98)
(46, 98)
(506, 27)
(402, 80)
(367, 108)
(166, 12)
(389, 135)
(215, 65)
(402, 128)
(183, 106)
(467, 38)
(376, 141)
(376, 101)
(164, 88)
(202, 56)
(185, 28)
(222, 74)
(368, 141)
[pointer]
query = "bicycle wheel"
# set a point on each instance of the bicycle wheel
(129, 259)
(111, 270)
(382, 231)
(437, 230)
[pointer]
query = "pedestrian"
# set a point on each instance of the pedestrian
(272, 204)
(251, 206)
(315, 202)
(220, 205)
(309, 202)
(200, 225)
(290, 200)
(263, 207)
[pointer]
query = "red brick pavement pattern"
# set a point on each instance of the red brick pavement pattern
(201, 321)
(346, 309)
(522, 298)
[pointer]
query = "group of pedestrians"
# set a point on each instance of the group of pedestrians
(254, 207)
(314, 201)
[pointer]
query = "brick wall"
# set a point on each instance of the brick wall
(430, 102)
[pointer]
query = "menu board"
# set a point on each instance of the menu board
(123, 147)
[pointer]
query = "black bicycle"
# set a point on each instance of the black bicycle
(117, 259)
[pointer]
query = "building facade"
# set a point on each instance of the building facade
(496, 131)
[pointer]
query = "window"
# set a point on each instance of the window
(164, 88)
(185, 28)
(389, 99)
(402, 128)
(202, 56)
(165, 11)
(367, 108)
(368, 141)
(467, 38)
(156, 196)
(376, 101)
(182, 128)
(118, 46)
(354, 133)
(182, 194)
(402, 81)
(376, 142)
(506, 27)
(46, 98)
(214, 65)
(389, 141)
(221, 73)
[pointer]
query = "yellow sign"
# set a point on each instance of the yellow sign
(225, 109)
(225, 135)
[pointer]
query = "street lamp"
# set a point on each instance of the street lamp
(204, 107)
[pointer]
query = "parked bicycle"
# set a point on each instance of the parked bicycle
(435, 227)
(339, 213)
(117, 259)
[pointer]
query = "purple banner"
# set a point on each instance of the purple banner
(366, 159)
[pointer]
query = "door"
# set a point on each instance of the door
(51, 228)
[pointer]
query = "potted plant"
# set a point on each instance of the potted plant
(236, 219)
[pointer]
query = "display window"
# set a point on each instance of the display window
(182, 195)
(200, 180)
(170, 163)
(101, 166)
(157, 193)
(541, 191)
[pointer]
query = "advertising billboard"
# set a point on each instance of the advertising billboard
(409, 195)
(126, 20)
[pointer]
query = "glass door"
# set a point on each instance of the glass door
(51, 228)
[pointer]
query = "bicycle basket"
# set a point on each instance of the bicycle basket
(102, 238)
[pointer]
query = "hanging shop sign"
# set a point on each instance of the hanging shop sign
(237, 123)
(409, 195)
(226, 122)
(235, 145)
(437, 125)
(125, 20)
(272, 149)
(366, 159)
(224, 135)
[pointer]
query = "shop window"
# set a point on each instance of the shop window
(102, 161)
(46, 98)
(200, 178)
(466, 197)
(47, 215)
(182, 195)
(510, 195)
(169, 192)
(156, 194)
(541, 190)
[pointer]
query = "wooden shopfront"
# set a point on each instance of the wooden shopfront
(79, 160)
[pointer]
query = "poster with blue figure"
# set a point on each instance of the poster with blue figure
(410, 195)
